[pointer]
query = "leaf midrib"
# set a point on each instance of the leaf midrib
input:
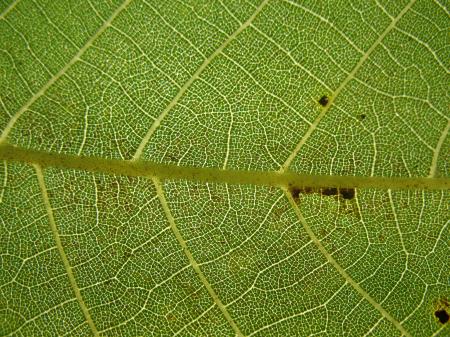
(170, 171)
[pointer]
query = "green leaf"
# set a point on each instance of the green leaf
(224, 168)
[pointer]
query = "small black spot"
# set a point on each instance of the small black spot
(442, 316)
(329, 191)
(295, 192)
(347, 193)
(362, 117)
(323, 101)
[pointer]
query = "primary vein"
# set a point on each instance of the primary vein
(161, 171)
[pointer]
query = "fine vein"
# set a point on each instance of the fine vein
(60, 73)
(191, 80)
(192, 261)
(336, 93)
(341, 270)
(59, 245)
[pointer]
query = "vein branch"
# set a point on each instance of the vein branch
(60, 73)
(8, 9)
(437, 150)
(341, 270)
(59, 245)
(191, 80)
(336, 93)
(192, 261)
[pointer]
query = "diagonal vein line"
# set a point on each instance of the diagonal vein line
(8, 9)
(192, 261)
(196, 75)
(63, 70)
(350, 76)
(341, 270)
(67, 267)
(437, 150)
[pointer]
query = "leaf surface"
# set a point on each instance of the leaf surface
(224, 168)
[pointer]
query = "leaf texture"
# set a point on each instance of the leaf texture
(224, 168)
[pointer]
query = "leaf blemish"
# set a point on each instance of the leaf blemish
(170, 317)
(441, 311)
(295, 192)
(442, 316)
(347, 193)
(323, 101)
(329, 191)
(362, 117)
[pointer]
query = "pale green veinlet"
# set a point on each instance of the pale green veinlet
(169, 168)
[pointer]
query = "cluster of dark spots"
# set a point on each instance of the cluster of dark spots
(295, 191)
(329, 191)
(323, 101)
(346, 193)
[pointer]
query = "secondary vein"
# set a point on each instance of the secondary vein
(59, 245)
(191, 80)
(342, 271)
(192, 261)
(344, 83)
(60, 73)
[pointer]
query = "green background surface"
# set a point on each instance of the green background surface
(227, 85)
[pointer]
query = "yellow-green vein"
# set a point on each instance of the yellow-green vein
(191, 80)
(60, 73)
(9, 9)
(59, 245)
(341, 270)
(170, 171)
(192, 261)
(336, 93)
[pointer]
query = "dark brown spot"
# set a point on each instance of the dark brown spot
(295, 192)
(323, 101)
(442, 316)
(329, 191)
(362, 117)
(347, 193)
